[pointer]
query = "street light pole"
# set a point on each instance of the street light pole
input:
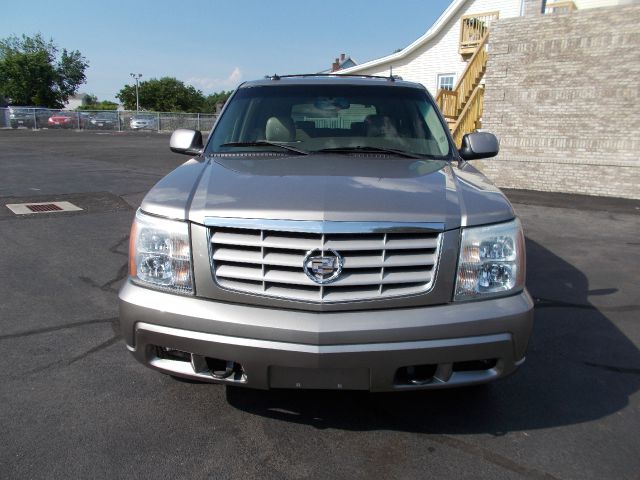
(136, 77)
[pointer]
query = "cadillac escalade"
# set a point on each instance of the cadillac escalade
(329, 234)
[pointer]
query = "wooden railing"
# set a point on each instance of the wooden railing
(447, 101)
(473, 73)
(462, 107)
(469, 119)
(452, 102)
(559, 7)
(473, 28)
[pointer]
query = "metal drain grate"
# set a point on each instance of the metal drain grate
(42, 207)
(47, 207)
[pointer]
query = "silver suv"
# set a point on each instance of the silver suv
(329, 235)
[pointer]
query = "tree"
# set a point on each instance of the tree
(166, 94)
(215, 101)
(90, 102)
(32, 72)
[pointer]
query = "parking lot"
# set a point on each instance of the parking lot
(103, 120)
(75, 404)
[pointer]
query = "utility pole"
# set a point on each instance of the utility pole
(136, 77)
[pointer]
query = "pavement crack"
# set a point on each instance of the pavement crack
(491, 457)
(128, 194)
(127, 172)
(613, 368)
(97, 348)
(549, 303)
(120, 243)
(123, 272)
(66, 363)
(38, 331)
(90, 281)
(621, 308)
(546, 303)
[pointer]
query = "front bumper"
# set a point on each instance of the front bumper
(445, 345)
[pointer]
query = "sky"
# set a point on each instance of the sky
(214, 45)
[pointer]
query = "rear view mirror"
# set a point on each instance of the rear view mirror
(186, 141)
(479, 145)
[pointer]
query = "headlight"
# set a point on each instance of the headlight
(491, 262)
(160, 254)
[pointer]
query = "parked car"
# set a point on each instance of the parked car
(329, 235)
(104, 120)
(143, 122)
(29, 117)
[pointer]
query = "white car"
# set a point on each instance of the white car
(143, 122)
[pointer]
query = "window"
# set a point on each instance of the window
(445, 81)
(315, 117)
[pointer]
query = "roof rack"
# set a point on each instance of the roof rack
(391, 78)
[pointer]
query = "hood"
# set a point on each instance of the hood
(330, 187)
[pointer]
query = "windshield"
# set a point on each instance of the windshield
(338, 118)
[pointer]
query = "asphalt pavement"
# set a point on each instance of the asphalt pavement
(75, 404)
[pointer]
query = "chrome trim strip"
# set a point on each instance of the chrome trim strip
(320, 226)
(322, 349)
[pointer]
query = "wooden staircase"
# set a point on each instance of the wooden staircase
(462, 107)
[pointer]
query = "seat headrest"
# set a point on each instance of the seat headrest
(359, 128)
(380, 126)
(280, 129)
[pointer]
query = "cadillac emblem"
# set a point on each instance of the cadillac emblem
(323, 267)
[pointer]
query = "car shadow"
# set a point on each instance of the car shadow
(579, 367)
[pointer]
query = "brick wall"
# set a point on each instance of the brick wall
(563, 97)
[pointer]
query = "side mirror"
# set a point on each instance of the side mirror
(479, 145)
(186, 141)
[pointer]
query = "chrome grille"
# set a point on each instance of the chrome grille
(390, 262)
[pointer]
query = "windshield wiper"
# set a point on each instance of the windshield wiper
(392, 151)
(266, 143)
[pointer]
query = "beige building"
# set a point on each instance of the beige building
(555, 81)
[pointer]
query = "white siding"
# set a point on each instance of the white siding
(440, 54)
(582, 4)
(73, 103)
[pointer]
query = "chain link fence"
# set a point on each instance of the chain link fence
(111, 120)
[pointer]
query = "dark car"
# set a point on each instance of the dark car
(29, 117)
(104, 121)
